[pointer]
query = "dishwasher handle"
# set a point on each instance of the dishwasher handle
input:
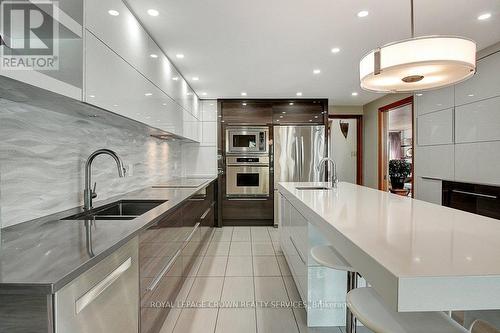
(91, 295)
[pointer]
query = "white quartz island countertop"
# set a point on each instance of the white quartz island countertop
(417, 255)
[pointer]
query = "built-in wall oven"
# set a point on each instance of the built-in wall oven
(247, 140)
(247, 176)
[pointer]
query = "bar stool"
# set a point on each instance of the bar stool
(372, 312)
(327, 256)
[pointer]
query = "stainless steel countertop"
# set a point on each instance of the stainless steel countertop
(43, 255)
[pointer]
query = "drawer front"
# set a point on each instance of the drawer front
(298, 266)
(429, 190)
(103, 299)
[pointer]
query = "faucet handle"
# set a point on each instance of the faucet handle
(94, 195)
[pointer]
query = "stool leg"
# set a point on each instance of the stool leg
(352, 283)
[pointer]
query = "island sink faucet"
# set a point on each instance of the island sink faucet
(89, 193)
(332, 176)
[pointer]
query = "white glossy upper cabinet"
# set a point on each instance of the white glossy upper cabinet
(484, 84)
(125, 35)
(435, 161)
(435, 128)
(435, 100)
(112, 84)
(67, 78)
(478, 162)
(478, 121)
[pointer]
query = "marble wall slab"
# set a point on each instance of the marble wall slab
(42, 157)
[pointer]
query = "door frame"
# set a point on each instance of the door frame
(359, 141)
(382, 151)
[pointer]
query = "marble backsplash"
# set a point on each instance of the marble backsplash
(42, 157)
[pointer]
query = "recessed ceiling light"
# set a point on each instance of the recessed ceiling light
(244, 104)
(363, 13)
(291, 103)
(204, 94)
(316, 71)
(152, 55)
(179, 56)
(354, 94)
(175, 78)
(299, 94)
(243, 94)
(113, 12)
(153, 12)
(115, 105)
(148, 94)
(335, 50)
(195, 78)
(470, 95)
(419, 94)
(484, 16)
(164, 104)
(91, 96)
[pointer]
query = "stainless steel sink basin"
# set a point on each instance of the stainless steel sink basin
(119, 210)
(313, 188)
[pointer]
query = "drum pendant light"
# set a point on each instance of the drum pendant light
(418, 63)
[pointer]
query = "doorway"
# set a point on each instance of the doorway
(345, 146)
(396, 142)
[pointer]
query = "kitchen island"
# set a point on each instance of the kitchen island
(418, 256)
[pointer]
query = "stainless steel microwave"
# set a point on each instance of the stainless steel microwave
(247, 140)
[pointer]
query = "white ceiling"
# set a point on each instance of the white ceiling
(269, 48)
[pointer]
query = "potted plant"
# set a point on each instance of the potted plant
(398, 171)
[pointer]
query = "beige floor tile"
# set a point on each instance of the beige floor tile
(222, 235)
(276, 321)
(240, 249)
(241, 235)
(266, 266)
(239, 266)
(283, 264)
(237, 291)
(205, 289)
(195, 266)
(271, 290)
(218, 249)
(260, 234)
(236, 320)
(171, 320)
(277, 248)
(213, 266)
(263, 249)
(196, 321)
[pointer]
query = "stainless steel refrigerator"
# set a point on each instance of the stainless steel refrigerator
(297, 153)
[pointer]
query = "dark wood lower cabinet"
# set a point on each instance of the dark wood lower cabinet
(167, 255)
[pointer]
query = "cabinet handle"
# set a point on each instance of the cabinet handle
(196, 199)
(170, 263)
(476, 194)
(206, 213)
(297, 249)
(99, 288)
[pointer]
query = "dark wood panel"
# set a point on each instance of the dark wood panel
(240, 112)
(248, 209)
(25, 313)
(298, 113)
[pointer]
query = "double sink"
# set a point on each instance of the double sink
(118, 210)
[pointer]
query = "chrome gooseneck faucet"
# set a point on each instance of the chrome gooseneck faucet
(332, 176)
(89, 193)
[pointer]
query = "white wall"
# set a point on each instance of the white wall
(200, 159)
(343, 150)
(458, 132)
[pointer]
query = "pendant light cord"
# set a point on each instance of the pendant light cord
(412, 20)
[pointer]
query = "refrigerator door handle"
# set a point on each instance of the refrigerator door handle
(301, 157)
(297, 163)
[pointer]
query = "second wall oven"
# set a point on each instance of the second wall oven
(247, 176)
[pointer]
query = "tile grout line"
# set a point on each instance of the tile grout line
(254, 288)
(223, 282)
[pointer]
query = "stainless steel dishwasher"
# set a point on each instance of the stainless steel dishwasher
(103, 299)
